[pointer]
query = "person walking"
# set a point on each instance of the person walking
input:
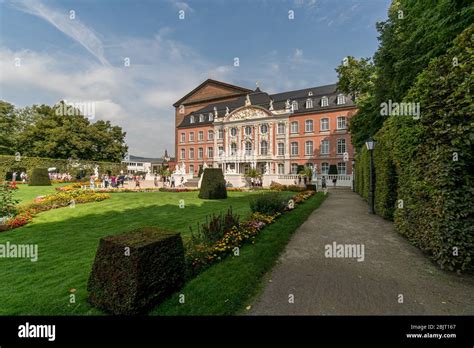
(323, 182)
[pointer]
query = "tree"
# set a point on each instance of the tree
(44, 131)
(8, 123)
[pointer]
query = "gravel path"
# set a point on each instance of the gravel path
(391, 272)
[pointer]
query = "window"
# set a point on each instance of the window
(200, 153)
(324, 168)
(341, 146)
(281, 168)
(233, 131)
(248, 130)
(210, 152)
(221, 150)
(324, 124)
(263, 148)
(210, 135)
(309, 103)
(294, 168)
(324, 147)
(341, 168)
(183, 137)
(341, 122)
(233, 149)
(308, 126)
(281, 128)
(341, 99)
(294, 105)
(248, 148)
(308, 147)
(191, 136)
(324, 101)
(294, 127)
(191, 168)
(183, 153)
(281, 149)
(220, 134)
(264, 129)
(211, 116)
(294, 148)
(191, 119)
(201, 136)
(191, 153)
(310, 94)
(201, 118)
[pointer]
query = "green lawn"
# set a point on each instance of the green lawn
(27, 193)
(67, 240)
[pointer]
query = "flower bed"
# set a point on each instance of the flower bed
(201, 253)
(26, 212)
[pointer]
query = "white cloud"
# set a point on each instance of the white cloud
(73, 28)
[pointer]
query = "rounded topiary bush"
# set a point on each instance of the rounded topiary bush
(213, 184)
(39, 177)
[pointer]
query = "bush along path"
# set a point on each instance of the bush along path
(246, 254)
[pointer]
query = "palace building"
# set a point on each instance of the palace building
(235, 128)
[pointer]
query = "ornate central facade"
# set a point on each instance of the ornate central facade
(230, 127)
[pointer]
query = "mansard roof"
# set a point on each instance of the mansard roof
(262, 99)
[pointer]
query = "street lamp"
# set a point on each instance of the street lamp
(353, 175)
(370, 146)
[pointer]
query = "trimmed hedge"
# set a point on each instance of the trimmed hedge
(213, 184)
(74, 167)
(428, 164)
(132, 283)
(39, 177)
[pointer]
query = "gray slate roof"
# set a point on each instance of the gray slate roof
(262, 99)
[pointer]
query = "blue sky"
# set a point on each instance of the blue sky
(82, 59)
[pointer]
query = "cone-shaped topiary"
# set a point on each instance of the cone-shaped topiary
(39, 177)
(213, 184)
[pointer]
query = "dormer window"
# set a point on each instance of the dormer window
(310, 94)
(309, 103)
(341, 99)
(324, 101)
(191, 119)
(201, 118)
(294, 105)
(211, 116)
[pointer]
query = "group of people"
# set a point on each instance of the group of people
(255, 182)
(66, 177)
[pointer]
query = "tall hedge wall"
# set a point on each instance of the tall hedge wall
(428, 164)
(12, 163)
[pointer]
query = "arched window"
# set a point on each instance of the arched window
(309, 147)
(248, 130)
(201, 118)
(294, 105)
(294, 127)
(211, 116)
(308, 126)
(233, 149)
(263, 147)
(324, 101)
(264, 129)
(248, 148)
(309, 103)
(233, 131)
(191, 119)
(324, 168)
(341, 99)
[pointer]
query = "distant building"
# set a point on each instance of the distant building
(147, 165)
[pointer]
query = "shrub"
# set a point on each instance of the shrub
(311, 187)
(132, 283)
(268, 203)
(213, 184)
(215, 226)
(8, 204)
(39, 177)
